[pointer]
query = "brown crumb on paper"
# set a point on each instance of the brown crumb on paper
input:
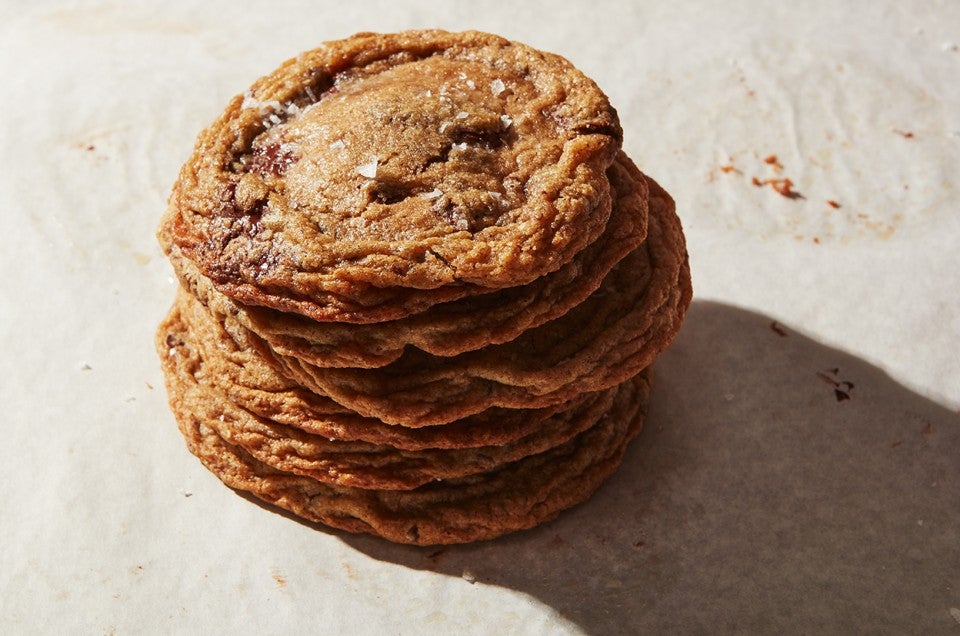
(772, 160)
(783, 187)
(434, 557)
(841, 388)
(906, 134)
(833, 204)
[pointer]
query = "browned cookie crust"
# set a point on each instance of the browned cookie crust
(218, 357)
(615, 333)
(517, 496)
(451, 328)
(376, 176)
(360, 464)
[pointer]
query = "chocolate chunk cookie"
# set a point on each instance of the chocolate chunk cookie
(451, 328)
(616, 332)
(376, 176)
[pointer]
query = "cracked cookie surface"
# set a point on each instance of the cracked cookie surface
(448, 329)
(619, 330)
(376, 176)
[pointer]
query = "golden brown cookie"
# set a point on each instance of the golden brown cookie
(360, 464)
(221, 359)
(611, 336)
(517, 496)
(451, 328)
(376, 176)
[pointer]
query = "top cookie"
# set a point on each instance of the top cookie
(378, 175)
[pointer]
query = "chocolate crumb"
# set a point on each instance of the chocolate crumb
(773, 161)
(778, 329)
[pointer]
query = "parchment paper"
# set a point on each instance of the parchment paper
(800, 470)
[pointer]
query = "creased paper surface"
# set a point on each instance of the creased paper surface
(800, 469)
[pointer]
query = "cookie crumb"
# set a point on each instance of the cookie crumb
(773, 161)
(833, 204)
(85, 367)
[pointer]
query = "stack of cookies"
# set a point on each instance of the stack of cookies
(421, 288)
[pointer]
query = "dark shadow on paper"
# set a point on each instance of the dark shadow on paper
(778, 484)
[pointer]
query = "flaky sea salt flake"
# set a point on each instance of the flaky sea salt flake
(497, 86)
(433, 194)
(249, 101)
(444, 126)
(506, 120)
(462, 114)
(369, 169)
(338, 145)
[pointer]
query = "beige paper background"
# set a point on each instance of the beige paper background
(755, 501)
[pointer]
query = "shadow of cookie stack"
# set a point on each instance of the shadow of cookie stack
(421, 288)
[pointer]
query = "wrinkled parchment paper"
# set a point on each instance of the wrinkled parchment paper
(800, 468)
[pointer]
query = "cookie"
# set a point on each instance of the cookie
(376, 176)
(616, 332)
(359, 464)
(517, 496)
(452, 328)
(217, 356)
